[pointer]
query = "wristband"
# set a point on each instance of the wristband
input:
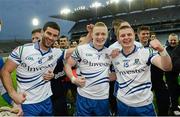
(163, 53)
(73, 79)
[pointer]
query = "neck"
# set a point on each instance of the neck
(145, 43)
(97, 46)
(42, 47)
(128, 50)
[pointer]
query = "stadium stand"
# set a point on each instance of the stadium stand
(7, 46)
(161, 15)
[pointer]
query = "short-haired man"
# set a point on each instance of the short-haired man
(33, 62)
(36, 35)
(172, 76)
(132, 68)
(93, 79)
(63, 42)
(158, 84)
(176, 58)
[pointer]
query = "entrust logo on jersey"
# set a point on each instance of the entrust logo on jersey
(86, 62)
(132, 71)
(50, 58)
(33, 69)
(137, 62)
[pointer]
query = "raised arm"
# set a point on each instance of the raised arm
(88, 37)
(163, 61)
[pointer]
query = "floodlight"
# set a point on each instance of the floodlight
(65, 11)
(35, 22)
(114, 1)
(130, 0)
(95, 5)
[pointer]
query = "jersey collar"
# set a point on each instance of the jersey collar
(134, 50)
(91, 44)
(37, 46)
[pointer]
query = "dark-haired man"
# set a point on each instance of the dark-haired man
(34, 64)
(158, 84)
(172, 76)
(36, 35)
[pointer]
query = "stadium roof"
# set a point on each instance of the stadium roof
(116, 9)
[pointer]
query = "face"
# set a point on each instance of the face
(36, 36)
(56, 44)
(173, 41)
(73, 44)
(49, 36)
(99, 36)
(153, 37)
(126, 37)
(81, 39)
(63, 42)
(144, 36)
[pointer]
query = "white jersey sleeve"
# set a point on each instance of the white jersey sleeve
(16, 54)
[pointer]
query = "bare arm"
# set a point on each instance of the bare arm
(68, 69)
(6, 76)
(112, 76)
(88, 38)
(69, 52)
(163, 61)
(7, 82)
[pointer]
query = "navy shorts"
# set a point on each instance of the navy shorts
(43, 108)
(91, 107)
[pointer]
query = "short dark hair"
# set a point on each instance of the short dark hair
(117, 22)
(36, 30)
(63, 36)
(140, 28)
(51, 24)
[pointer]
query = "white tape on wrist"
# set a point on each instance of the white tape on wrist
(73, 79)
(163, 53)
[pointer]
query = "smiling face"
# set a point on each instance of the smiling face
(99, 36)
(126, 37)
(144, 36)
(63, 42)
(173, 40)
(36, 37)
(49, 36)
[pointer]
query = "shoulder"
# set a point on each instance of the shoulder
(28, 44)
(115, 45)
(138, 44)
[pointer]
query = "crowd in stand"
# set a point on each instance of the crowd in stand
(109, 73)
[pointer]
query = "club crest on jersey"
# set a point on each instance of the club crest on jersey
(136, 62)
(50, 57)
(40, 61)
(107, 56)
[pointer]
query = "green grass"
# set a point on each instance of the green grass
(69, 96)
(2, 101)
